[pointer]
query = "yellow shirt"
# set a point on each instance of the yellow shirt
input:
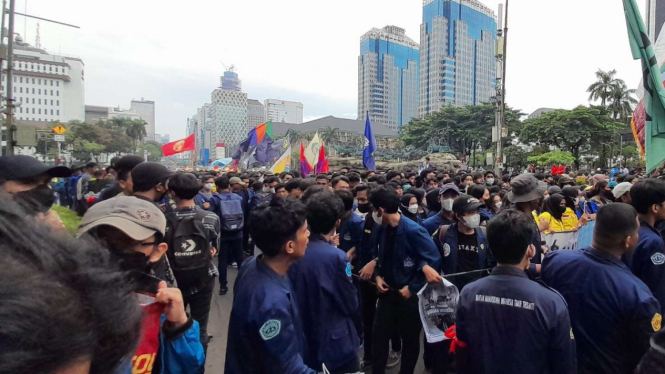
(568, 221)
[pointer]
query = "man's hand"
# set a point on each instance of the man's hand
(213, 251)
(432, 275)
(367, 270)
(175, 307)
(351, 254)
(381, 285)
(545, 249)
(52, 219)
(406, 294)
(335, 240)
(543, 224)
(206, 205)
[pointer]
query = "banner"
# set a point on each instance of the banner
(437, 304)
(585, 235)
(561, 240)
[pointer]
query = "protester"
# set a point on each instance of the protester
(340, 183)
(612, 312)
(506, 318)
(494, 204)
(265, 329)
(150, 183)
(124, 184)
(132, 230)
(433, 202)
(228, 207)
(82, 188)
(202, 199)
(601, 194)
(621, 192)
(489, 179)
(559, 216)
(409, 207)
(293, 188)
(648, 260)
(403, 248)
(322, 180)
(350, 226)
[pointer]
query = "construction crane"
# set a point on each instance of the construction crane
(231, 67)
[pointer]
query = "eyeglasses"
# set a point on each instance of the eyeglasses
(147, 244)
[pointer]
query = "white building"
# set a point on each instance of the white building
(229, 120)
(256, 114)
(94, 113)
(49, 87)
(146, 109)
(283, 111)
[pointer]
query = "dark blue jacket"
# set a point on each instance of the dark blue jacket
(432, 225)
(201, 198)
(612, 312)
(648, 261)
(265, 331)
(350, 232)
(71, 185)
(486, 214)
(215, 208)
(328, 303)
(449, 244)
(366, 251)
(507, 323)
(413, 250)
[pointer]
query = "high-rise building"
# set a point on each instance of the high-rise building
(283, 111)
(230, 81)
(457, 63)
(49, 87)
(229, 114)
(146, 109)
(256, 114)
(655, 18)
(388, 77)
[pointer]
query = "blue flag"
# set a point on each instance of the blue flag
(370, 147)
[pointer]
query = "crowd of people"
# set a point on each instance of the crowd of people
(341, 259)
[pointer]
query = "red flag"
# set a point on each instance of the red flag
(179, 146)
(322, 164)
(305, 167)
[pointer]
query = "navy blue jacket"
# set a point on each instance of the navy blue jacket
(201, 198)
(328, 303)
(612, 312)
(507, 323)
(413, 250)
(366, 251)
(449, 244)
(265, 332)
(350, 232)
(432, 225)
(648, 261)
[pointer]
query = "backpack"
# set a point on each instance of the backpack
(189, 248)
(258, 199)
(229, 210)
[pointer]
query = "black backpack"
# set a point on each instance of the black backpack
(189, 248)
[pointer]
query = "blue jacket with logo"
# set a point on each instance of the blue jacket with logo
(612, 312)
(648, 261)
(265, 330)
(432, 225)
(449, 245)
(413, 250)
(328, 303)
(350, 232)
(507, 323)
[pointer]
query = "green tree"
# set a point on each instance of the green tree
(515, 156)
(330, 136)
(602, 88)
(154, 150)
(295, 137)
(554, 157)
(572, 131)
(622, 102)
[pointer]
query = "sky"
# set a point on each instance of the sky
(173, 52)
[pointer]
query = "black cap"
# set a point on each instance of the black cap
(128, 162)
(150, 173)
(466, 203)
(19, 167)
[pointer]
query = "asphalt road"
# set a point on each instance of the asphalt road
(218, 325)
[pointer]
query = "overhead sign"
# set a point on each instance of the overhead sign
(59, 138)
(59, 130)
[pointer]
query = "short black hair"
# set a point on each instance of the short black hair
(272, 225)
(353, 177)
(361, 188)
(478, 191)
(509, 235)
(347, 199)
(337, 179)
(647, 193)
(90, 165)
(280, 186)
(477, 176)
(126, 164)
(292, 184)
(489, 172)
(307, 183)
(256, 186)
(313, 190)
(271, 180)
(98, 174)
(539, 176)
(321, 176)
(385, 198)
(206, 177)
(184, 185)
(223, 183)
(79, 303)
(614, 222)
(392, 174)
(323, 211)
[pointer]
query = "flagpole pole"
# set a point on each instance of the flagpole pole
(502, 124)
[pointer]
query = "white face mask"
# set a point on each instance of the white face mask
(473, 221)
(376, 218)
(447, 204)
(581, 199)
(490, 181)
(208, 186)
(498, 205)
(266, 189)
(413, 209)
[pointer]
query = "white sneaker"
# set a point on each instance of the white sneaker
(393, 359)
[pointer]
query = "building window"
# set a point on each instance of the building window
(15, 89)
(40, 91)
(57, 83)
(20, 65)
(40, 111)
(33, 100)
(33, 111)
(20, 110)
(51, 111)
(58, 111)
(40, 82)
(58, 103)
(51, 82)
(20, 79)
(50, 68)
(39, 101)
(33, 80)
(14, 79)
(32, 67)
(51, 102)
(57, 93)
(33, 91)
(51, 92)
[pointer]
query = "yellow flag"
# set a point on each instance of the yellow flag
(312, 151)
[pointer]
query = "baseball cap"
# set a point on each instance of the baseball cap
(466, 203)
(447, 187)
(127, 162)
(137, 218)
(150, 174)
(621, 189)
(525, 187)
(235, 180)
(18, 167)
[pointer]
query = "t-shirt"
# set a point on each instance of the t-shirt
(467, 252)
(388, 256)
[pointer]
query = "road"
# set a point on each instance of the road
(218, 325)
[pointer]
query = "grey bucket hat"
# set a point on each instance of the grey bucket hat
(525, 188)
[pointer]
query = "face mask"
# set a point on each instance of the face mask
(363, 208)
(447, 205)
(39, 199)
(272, 190)
(413, 209)
(561, 209)
(135, 262)
(473, 221)
(377, 219)
(498, 205)
(266, 190)
(490, 181)
(208, 186)
(581, 199)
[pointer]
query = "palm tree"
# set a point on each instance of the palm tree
(136, 130)
(602, 88)
(622, 102)
(294, 136)
(330, 136)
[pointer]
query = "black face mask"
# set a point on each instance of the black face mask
(561, 209)
(134, 262)
(363, 208)
(39, 199)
